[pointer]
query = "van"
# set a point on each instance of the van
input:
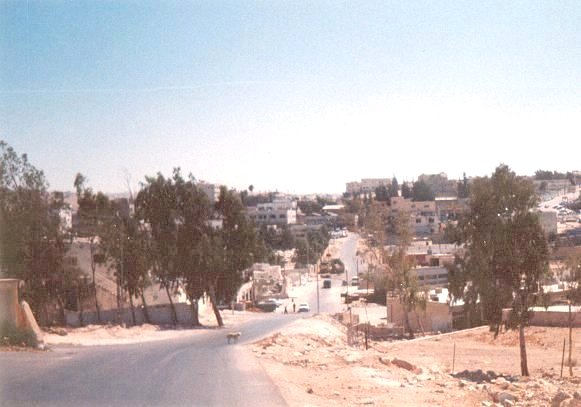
(326, 283)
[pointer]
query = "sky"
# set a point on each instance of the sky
(294, 96)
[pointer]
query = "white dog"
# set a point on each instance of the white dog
(233, 336)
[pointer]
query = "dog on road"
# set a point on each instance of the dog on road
(233, 336)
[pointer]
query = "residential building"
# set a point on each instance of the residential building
(422, 214)
(449, 207)
(440, 184)
(367, 185)
(432, 276)
(212, 191)
(277, 212)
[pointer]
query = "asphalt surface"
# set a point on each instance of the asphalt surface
(330, 300)
(202, 370)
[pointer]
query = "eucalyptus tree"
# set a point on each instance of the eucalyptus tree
(156, 206)
(95, 212)
(32, 246)
(125, 242)
(193, 214)
(395, 265)
(233, 249)
(506, 254)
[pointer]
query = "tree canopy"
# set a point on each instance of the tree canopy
(506, 253)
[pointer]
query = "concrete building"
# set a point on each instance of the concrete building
(66, 219)
(367, 185)
(423, 215)
(440, 184)
(451, 206)
(278, 212)
(212, 191)
(432, 276)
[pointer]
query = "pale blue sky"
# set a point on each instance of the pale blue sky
(290, 95)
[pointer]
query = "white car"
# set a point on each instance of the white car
(304, 308)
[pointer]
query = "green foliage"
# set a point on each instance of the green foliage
(506, 254)
(406, 191)
(422, 192)
(310, 207)
(382, 194)
(463, 187)
(573, 264)
(555, 175)
(276, 239)
(10, 335)
(310, 250)
(32, 247)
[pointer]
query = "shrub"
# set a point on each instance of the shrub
(10, 334)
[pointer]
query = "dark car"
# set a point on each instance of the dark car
(327, 283)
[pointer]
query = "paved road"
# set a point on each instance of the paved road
(198, 371)
(330, 300)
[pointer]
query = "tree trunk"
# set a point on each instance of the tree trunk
(61, 305)
(174, 314)
(195, 312)
(570, 340)
(215, 307)
(80, 302)
(406, 321)
(145, 310)
(97, 308)
(133, 320)
(524, 370)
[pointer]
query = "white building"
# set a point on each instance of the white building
(212, 191)
(278, 212)
(66, 219)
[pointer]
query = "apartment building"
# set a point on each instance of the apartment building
(212, 191)
(367, 185)
(422, 214)
(277, 212)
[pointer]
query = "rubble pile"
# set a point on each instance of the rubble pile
(533, 391)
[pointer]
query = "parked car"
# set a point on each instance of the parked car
(326, 283)
(304, 307)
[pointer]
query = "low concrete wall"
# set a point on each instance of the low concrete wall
(436, 316)
(158, 315)
(551, 318)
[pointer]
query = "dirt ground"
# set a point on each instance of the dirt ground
(313, 366)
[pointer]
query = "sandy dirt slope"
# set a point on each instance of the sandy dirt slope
(313, 366)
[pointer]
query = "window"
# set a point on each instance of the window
(431, 220)
(71, 261)
(426, 206)
(418, 220)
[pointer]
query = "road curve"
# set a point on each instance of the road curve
(202, 370)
